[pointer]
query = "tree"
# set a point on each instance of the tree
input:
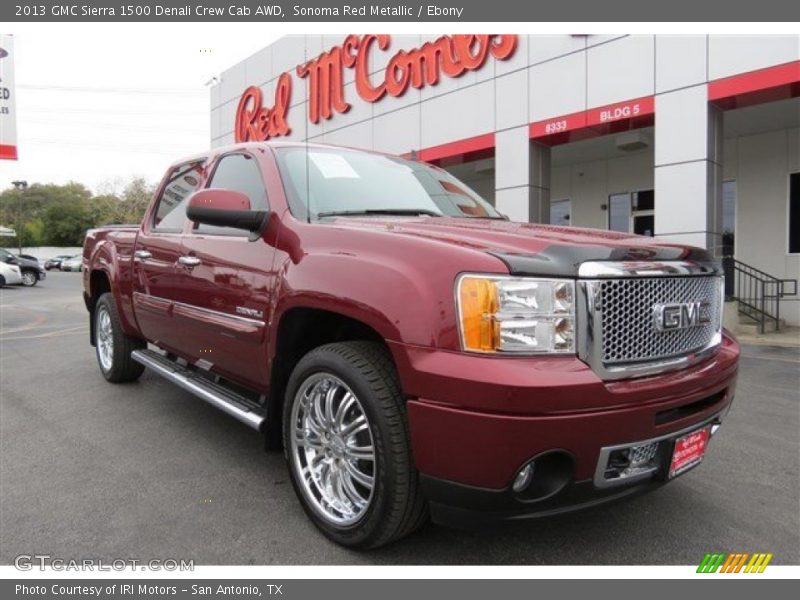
(59, 215)
(34, 232)
(66, 223)
(104, 209)
(135, 199)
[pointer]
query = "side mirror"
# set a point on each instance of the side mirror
(224, 208)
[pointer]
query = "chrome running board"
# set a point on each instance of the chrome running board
(228, 401)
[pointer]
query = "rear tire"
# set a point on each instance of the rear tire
(112, 347)
(389, 504)
(2, 281)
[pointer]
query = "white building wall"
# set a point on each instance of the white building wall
(761, 165)
(732, 54)
(556, 75)
(553, 75)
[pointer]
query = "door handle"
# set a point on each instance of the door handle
(142, 254)
(189, 261)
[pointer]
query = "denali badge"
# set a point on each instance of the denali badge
(249, 312)
(681, 315)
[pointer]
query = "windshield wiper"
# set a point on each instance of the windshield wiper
(380, 211)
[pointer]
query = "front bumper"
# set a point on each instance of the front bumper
(462, 505)
(482, 419)
(457, 505)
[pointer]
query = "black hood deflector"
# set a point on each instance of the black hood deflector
(564, 261)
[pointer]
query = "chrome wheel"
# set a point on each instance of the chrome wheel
(105, 339)
(28, 278)
(332, 450)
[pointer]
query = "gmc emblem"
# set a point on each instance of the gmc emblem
(681, 315)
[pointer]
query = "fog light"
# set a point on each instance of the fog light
(641, 455)
(523, 478)
(632, 462)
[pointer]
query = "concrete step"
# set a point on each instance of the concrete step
(788, 337)
(746, 323)
(743, 324)
(746, 329)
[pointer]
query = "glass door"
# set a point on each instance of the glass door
(559, 212)
(632, 212)
(643, 216)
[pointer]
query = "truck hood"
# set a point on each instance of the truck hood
(530, 248)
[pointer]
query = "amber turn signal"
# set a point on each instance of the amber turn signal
(478, 304)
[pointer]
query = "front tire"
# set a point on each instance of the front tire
(29, 278)
(346, 440)
(112, 346)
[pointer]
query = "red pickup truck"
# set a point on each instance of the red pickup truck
(412, 351)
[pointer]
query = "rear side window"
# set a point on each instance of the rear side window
(183, 182)
(240, 173)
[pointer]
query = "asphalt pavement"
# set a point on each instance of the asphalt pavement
(146, 471)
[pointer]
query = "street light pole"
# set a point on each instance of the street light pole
(20, 186)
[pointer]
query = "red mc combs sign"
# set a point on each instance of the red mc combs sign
(448, 55)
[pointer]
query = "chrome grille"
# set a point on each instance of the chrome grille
(627, 324)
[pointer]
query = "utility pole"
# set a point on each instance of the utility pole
(20, 186)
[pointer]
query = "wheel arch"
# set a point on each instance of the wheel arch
(299, 330)
(99, 284)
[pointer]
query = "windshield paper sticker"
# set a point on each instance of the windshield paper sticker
(332, 165)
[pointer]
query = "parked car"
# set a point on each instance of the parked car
(412, 350)
(73, 263)
(9, 275)
(28, 257)
(32, 271)
(55, 262)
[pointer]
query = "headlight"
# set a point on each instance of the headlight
(516, 314)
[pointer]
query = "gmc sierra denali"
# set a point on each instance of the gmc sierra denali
(411, 350)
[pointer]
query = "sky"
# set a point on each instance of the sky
(101, 103)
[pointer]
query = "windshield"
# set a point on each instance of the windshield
(333, 181)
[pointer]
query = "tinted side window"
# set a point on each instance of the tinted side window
(183, 181)
(240, 173)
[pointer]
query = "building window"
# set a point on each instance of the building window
(619, 212)
(559, 212)
(632, 212)
(794, 213)
(728, 216)
(643, 216)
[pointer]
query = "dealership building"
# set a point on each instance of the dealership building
(694, 139)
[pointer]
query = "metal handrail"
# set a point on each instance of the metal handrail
(757, 293)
